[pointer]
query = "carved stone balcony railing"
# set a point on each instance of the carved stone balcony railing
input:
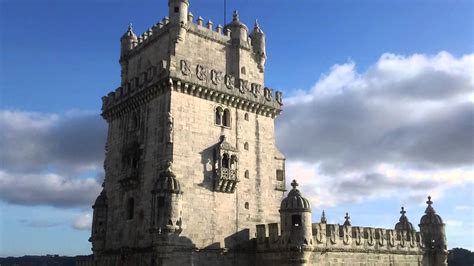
(226, 180)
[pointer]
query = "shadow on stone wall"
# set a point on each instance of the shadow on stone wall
(207, 161)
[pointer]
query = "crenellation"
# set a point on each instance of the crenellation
(200, 21)
(192, 172)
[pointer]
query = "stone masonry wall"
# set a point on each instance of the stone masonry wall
(216, 219)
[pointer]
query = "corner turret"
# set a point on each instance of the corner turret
(166, 204)
(434, 237)
(238, 30)
(178, 11)
(258, 44)
(178, 19)
(99, 223)
(128, 41)
(296, 226)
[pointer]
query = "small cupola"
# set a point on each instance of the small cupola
(294, 201)
(403, 223)
(430, 217)
(296, 225)
(166, 204)
(434, 236)
(167, 183)
(258, 45)
(128, 40)
(238, 30)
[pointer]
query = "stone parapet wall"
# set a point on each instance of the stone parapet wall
(339, 238)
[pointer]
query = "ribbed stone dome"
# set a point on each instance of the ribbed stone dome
(294, 201)
(236, 21)
(167, 182)
(403, 223)
(430, 216)
(101, 199)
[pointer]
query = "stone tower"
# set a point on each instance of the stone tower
(191, 163)
(296, 228)
(434, 237)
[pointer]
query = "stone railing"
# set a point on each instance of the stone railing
(340, 238)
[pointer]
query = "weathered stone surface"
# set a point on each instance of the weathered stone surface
(193, 175)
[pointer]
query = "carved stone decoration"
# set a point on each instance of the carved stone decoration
(390, 238)
(420, 240)
(412, 238)
(225, 167)
(346, 235)
(268, 93)
(370, 236)
(185, 69)
(229, 81)
(216, 77)
(243, 85)
(357, 235)
(380, 236)
(201, 72)
(332, 233)
(170, 128)
(279, 97)
(255, 88)
(321, 233)
(151, 73)
(402, 238)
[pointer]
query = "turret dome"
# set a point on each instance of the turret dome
(295, 201)
(430, 216)
(403, 223)
(101, 199)
(129, 34)
(167, 182)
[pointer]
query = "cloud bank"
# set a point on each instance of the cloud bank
(403, 128)
(45, 157)
(406, 124)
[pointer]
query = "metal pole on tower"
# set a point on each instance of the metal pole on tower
(225, 11)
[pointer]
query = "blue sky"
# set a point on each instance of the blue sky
(57, 58)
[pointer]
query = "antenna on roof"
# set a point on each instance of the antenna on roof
(225, 11)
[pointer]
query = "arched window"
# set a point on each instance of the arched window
(219, 116)
(233, 162)
(226, 118)
(247, 205)
(246, 146)
(246, 117)
(243, 71)
(225, 160)
(130, 208)
(247, 174)
(134, 122)
(135, 162)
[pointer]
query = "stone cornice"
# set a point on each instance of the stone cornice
(131, 102)
(223, 98)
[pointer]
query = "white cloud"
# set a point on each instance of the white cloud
(34, 142)
(48, 189)
(83, 222)
(44, 156)
(403, 129)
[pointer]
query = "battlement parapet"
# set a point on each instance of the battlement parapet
(347, 237)
(343, 238)
(151, 35)
(207, 30)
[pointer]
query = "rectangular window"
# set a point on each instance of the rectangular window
(161, 202)
(280, 175)
(296, 220)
